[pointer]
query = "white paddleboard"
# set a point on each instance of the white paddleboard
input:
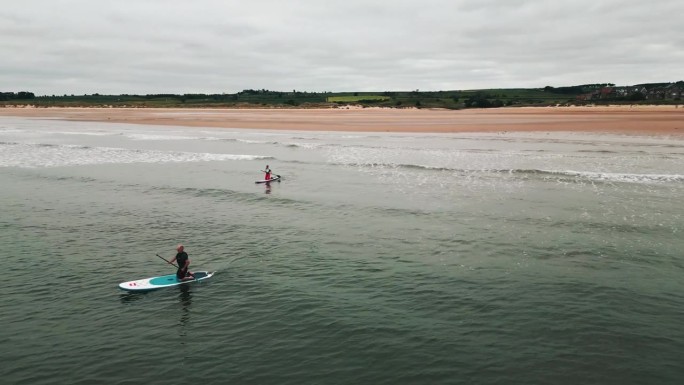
(163, 281)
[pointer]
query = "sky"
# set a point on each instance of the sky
(225, 46)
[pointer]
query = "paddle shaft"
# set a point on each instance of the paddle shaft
(174, 265)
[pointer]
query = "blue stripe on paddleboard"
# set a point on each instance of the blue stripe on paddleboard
(167, 280)
(164, 280)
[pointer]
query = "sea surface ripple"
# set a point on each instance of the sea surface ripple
(501, 258)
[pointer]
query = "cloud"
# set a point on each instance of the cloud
(149, 46)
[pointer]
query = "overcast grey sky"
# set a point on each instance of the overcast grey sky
(215, 46)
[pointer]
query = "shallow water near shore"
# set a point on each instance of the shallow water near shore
(508, 258)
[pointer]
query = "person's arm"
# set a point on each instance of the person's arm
(172, 260)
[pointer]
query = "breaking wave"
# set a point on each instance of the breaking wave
(552, 175)
(51, 155)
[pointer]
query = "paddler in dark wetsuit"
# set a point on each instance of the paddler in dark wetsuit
(182, 274)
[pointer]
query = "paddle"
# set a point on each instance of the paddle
(174, 265)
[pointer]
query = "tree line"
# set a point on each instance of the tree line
(23, 95)
(454, 99)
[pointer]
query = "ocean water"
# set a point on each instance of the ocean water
(504, 258)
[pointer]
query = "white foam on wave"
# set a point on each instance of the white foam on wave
(4, 130)
(496, 164)
(621, 177)
(37, 156)
(250, 141)
(303, 145)
(161, 137)
(87, 133)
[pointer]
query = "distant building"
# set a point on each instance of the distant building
(606, 92)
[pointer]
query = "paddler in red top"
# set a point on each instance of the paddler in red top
(268, 173)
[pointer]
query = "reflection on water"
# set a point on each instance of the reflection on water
(185, 296)
(185, 300)
(130, 297)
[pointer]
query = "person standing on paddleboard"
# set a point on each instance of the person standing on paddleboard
(268, 173)
(183, 263)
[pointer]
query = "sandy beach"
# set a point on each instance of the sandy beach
(651, 120)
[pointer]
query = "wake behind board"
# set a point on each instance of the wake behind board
(274, 179)
(155, 283)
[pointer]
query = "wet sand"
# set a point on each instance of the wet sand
(649, 120)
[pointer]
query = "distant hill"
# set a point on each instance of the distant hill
(605, 93)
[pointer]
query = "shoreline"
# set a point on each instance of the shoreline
(623, 119)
